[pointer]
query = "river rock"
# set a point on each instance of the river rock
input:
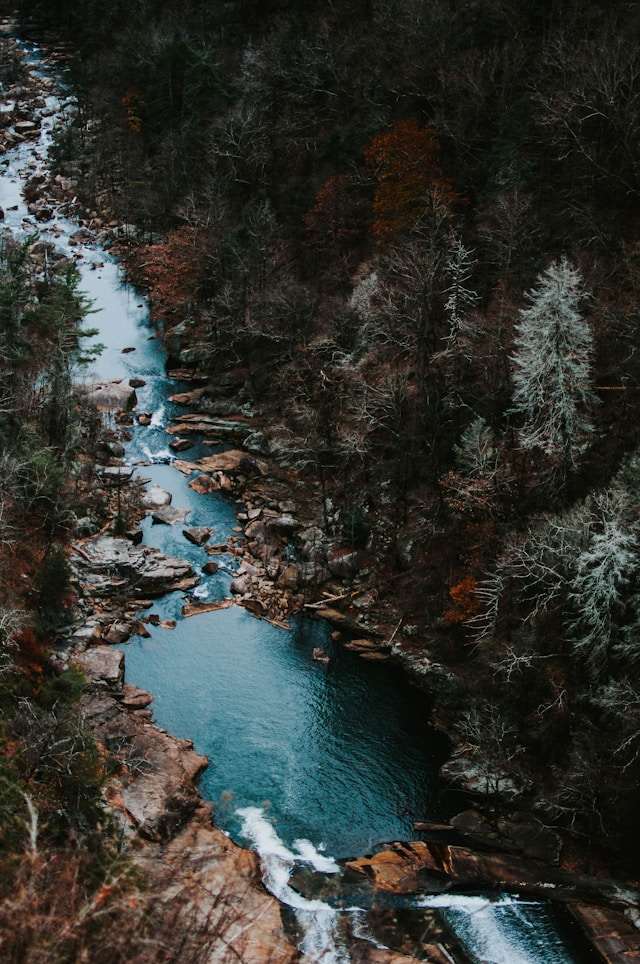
(137, 382)
(180, 444)
(168, 515)
(197, 535)
(134, 698)
(118, 632)
(155, 498)
(110, 396)
(210, 568)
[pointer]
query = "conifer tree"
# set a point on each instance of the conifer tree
(552, 366)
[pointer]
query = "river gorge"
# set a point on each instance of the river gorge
(309, 762)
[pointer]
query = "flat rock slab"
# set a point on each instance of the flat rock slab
(197, 535)
(235, 460)
(168, 515)
(102, 664)
(115, 396)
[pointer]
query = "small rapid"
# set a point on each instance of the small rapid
(318, 922)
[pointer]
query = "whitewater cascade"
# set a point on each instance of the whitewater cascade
(318, 921)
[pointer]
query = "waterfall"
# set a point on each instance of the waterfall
(318, 921)
(498, 931)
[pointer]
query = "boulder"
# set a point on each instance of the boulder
(180, 444)
(612, 934)
(232, 462)
(197, 535)
(114, 448)
(118, 632)
(134, 698)
(210, 568)
(110, 396)
(137, 382)
(85, 527)
(114, 474)
(168, 515)
(155, 498)
(102, 665)
(240, 585)
(289, 578)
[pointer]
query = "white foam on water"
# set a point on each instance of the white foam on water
(311, 855)
(318, 921)
(157, 419)
(162, 456)
(201, 592)
(497, 931)
(360, 927)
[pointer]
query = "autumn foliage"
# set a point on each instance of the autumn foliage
(464, 601)
(173, 271)
(405, 164)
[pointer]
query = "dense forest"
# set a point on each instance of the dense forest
(410, 232)
(413, 226)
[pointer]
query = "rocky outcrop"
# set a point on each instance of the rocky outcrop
(405, 868)
(108, 565)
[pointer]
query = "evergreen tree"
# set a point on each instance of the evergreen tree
(603, 569)
(476, 454)
(552, 366)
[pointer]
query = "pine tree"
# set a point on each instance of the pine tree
(552, 366)
(603, 569)
(477, 454)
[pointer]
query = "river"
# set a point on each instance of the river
(308, 763)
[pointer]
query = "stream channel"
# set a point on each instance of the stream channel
(308, 763)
